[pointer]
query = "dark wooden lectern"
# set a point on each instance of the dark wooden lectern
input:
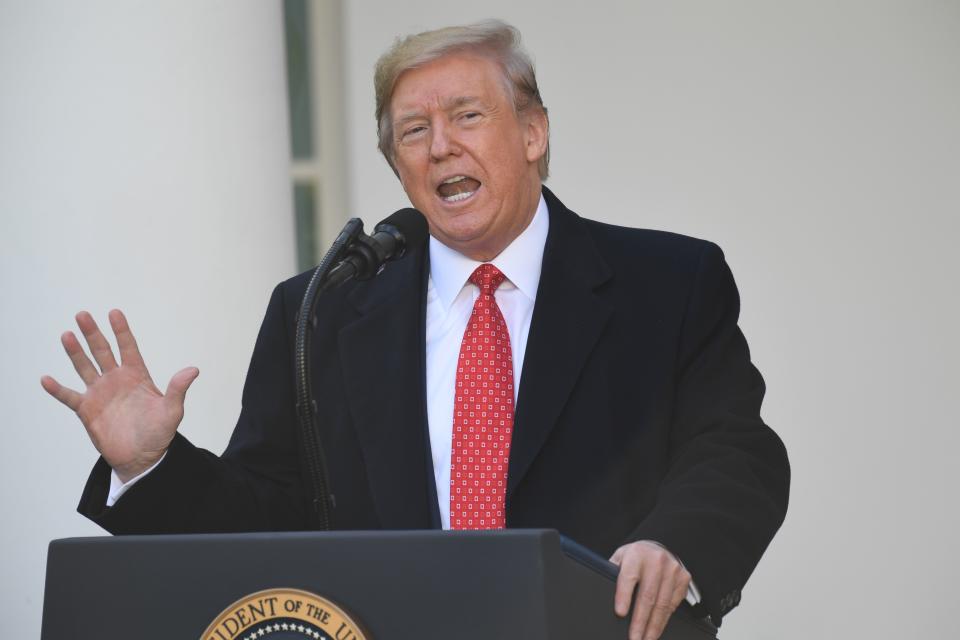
(529, 584)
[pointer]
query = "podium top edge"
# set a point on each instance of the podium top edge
(308, 535)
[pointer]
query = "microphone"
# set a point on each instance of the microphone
(367, 255)
(363, 257)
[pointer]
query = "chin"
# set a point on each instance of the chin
(466, 227)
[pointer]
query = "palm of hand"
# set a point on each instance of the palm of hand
(130, 422)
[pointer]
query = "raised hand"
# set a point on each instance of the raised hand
(130, 422)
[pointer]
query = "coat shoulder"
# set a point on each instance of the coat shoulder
(648, 253)
(293, 288)
(636, 242)
(291, 291)
(627, 249)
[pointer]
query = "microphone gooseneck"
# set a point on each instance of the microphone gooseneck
(353, 255)
(315, 471)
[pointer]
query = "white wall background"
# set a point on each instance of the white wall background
(818, 142)
(143, 164)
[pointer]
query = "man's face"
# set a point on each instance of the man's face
(464, 157)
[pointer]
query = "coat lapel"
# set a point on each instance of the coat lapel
(382, 354)
(568, 319)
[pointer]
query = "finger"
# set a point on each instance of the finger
(85, 369)
(626, 583)
(129, 352)
(681, 590)
(99, 347)
(646, 600)
(662, 609)
(67, 396)
(179, 383)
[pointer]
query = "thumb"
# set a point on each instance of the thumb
(179, 383)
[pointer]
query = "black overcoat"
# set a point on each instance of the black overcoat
(638, 414)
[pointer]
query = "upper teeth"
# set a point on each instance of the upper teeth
(454, 179)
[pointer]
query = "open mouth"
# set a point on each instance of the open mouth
(457, 188)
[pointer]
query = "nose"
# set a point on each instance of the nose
(443, 142)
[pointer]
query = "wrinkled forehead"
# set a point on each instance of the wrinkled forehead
(449, 82)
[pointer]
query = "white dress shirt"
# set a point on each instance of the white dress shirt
(450, 300)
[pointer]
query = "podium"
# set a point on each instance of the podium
(489, 585)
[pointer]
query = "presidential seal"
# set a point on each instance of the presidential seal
(283, 614)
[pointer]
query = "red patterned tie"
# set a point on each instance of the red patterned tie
(482, 413)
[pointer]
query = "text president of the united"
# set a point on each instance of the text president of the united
(627, 408)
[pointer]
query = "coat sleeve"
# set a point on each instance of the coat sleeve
(725, 491)
(254, 486)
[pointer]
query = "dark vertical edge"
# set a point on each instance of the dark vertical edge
(299, 88)
(305, 223)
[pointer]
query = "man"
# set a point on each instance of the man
(634, 425)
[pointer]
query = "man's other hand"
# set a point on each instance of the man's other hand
(130, 422)
(660, 582)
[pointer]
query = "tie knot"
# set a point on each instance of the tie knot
(487, 277)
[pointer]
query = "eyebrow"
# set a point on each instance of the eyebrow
(453, 103)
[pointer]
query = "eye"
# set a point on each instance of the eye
(412, 131)
(470, 115)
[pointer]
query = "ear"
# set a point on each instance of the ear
(537, 133)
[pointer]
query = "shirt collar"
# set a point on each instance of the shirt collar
(520, 262)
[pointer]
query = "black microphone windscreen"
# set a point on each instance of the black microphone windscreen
(410, 223)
